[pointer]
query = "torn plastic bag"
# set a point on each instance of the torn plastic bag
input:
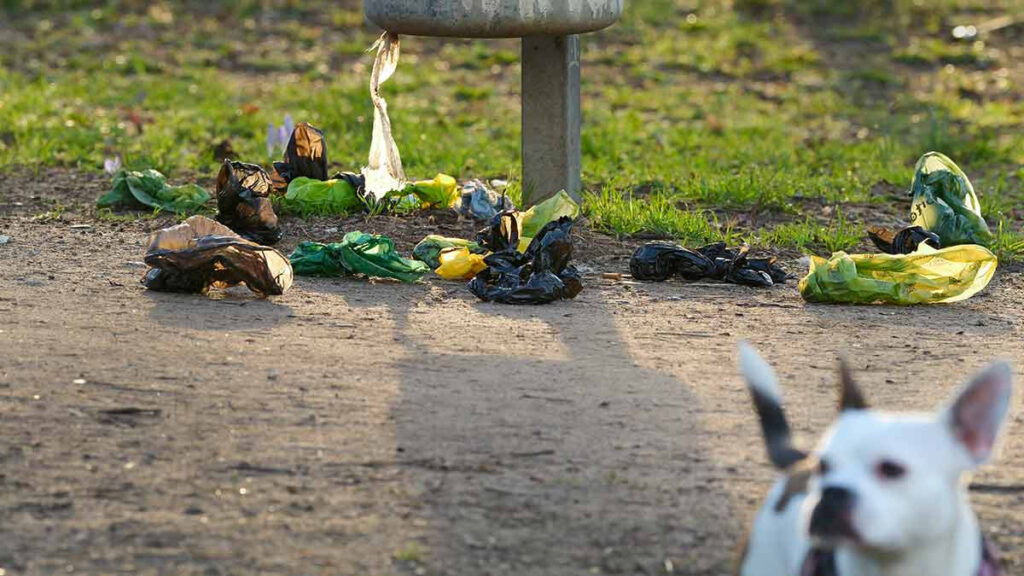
(305, 156)
(306, 196)
(149, 189)
(383, 171)
(201, 254)
(658, 261)
(550, 210)
(906, 241)
(429, 249)
(925, 277)
(944, 202)
(541, 275)
(357, 253)
(243, 202)
(503, 233)
(459, 264)
(480, 203)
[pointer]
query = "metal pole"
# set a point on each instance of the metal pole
(551, 117)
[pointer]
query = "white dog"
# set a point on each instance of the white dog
(883, 494)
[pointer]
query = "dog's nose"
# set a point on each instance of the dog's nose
(833, 516)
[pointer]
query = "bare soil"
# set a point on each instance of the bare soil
(357, 427)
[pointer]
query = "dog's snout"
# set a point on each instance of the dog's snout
(833, 516)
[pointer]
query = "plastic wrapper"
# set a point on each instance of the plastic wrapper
(243, 202)
(480, 203)
(357, 253)
(540, 275)
(659, 261)
(201, 254)
(340, 196)
(944, 202)
(149, 189)
(459, 264)
(927, 276)
(429, 249)
(304, 157)
(905, 241)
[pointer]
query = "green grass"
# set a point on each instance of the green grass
(719, 110)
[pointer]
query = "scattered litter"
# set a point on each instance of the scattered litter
(357, 253)
(149, 189)
(243, 202)
(305, 156)
(201, 254)
(5, 239)
(927, 276)
(541, 275)
(460, 264)
(658, 261)
(383, 171)
(306, 196)
(81, 226)
(944, 202)
(479, 203)
(906, 241)
(429, 249)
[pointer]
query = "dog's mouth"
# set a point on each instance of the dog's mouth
(831, 528)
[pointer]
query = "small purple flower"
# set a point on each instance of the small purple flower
(282, 137)
(112, 165)
(289, 127)
(271, 139)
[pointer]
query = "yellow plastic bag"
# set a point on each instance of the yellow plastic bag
(927, 276)
(441, 192)
(460, 264)
(552, 209)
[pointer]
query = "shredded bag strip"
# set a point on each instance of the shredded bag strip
(927, 276)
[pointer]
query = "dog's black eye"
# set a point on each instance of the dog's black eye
(824, 467)
(890, 470)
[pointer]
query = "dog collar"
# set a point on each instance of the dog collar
(823, 562)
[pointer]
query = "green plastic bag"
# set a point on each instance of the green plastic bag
(927, 276)
(552, 209)
(324, 198)
(429, 249)
(944, 202)
(149, 188)
(357, 253)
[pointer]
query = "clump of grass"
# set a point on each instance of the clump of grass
(839, 235)
(622, 215)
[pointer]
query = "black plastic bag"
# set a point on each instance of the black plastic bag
(503, 233)
(305, 156)
(906, 241)
(541, 275)
(659, 261)
(243, 202)
(200, 254)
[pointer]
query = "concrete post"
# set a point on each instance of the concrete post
(551, 117)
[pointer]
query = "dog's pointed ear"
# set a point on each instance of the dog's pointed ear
(978, 413)
(850, 395)
(764, 390)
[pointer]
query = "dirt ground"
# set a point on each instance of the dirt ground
(351, 427)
